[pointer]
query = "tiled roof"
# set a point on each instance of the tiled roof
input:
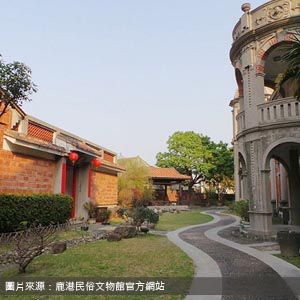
(167, 173)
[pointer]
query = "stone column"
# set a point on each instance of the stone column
(237, 179)
(273, 180)
(283, 181)
(294, 180)
(254, 95)
(59, 175)
(261, 216)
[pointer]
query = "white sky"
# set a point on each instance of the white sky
(126, 74)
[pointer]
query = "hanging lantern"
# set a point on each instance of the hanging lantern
(96, 163)
(73, 157)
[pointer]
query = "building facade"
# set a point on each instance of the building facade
(266, 121)
(34, 158)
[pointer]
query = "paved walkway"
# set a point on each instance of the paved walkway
(246, 273)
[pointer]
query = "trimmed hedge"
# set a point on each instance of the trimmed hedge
(39, 209)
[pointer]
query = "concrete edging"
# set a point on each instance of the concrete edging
(281, 267)
(205, 266)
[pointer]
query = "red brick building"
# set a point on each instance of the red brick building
(34, 158)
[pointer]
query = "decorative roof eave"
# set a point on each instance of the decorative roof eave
(79, 147)
(172, 178)
(167, 174)
(32, 143)
(112, 167)
(234, 101)
(252, 35)
(75, 139)
(19, 110)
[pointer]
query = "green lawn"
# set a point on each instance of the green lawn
(144, 256)
(173, 221)
(59, 236)
(294, 261)
(70, 235)
(4, 248)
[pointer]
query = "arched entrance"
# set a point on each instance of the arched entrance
(284, 184)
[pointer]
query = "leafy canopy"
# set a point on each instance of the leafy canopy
(292, 73)
(196, 155)
(222, 162)
(16, 84)
(189, 153)
(133, 184)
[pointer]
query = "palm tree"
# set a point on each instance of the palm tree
(292, 73)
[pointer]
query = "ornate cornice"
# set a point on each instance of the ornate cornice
(255, 34)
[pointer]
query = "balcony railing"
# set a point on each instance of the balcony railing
(241, 124)
(277, 111)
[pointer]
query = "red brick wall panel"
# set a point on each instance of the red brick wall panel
(108, 157)
(5, 123)
(40, 132)
(25, 174)
(104, 188)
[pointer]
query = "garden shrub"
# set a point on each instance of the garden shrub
(212, 197)
(241, 208)
(38, 209)
(122, 212)
(140, 214)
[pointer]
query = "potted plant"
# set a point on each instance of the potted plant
(103, 216)
(289, 242)
(92, 212)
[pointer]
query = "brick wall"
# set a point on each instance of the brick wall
(24, 174)
(5, 121)
(40, 132)
(104, 188)
(108, 157)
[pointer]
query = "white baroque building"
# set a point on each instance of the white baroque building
(266, 123)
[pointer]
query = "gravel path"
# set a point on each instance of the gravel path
(243, 276)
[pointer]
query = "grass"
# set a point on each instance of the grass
(293, 260)
(136, 257)
(70, 235)
(116, 221)
(173, 221)
(59, 236)
(4, 248)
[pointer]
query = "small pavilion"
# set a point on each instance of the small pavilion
(167, 183)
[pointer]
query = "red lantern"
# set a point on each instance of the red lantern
(73, 157)
(96, 162)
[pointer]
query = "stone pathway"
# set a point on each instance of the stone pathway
(244, 276)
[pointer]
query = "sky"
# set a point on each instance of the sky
(126, 74)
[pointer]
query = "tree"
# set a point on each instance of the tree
(189, 153)
(133, 184)
(16, 85)
(292, 73)
(31, 243)
(221, 173)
